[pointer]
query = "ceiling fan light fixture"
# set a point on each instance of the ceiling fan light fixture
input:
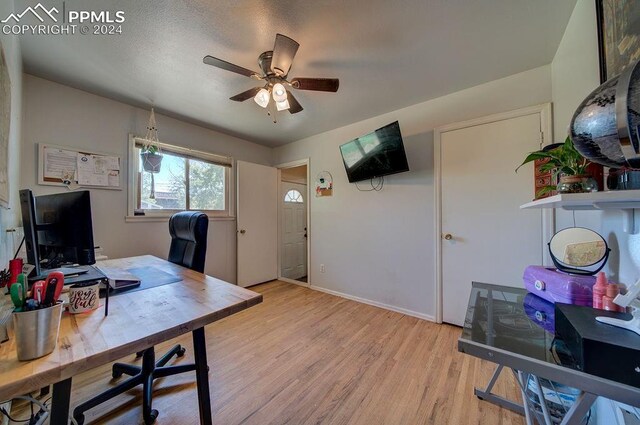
(262, 98)
(274, 70)
(282, 105)
(279, 92)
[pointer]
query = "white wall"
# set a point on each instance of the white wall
(378, 246)
(9, 217)
(574, 70)
(58, 114)
(575, 74)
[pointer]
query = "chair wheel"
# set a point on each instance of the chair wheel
(152, 417)
(181, 352)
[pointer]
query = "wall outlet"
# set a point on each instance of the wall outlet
(321, 268)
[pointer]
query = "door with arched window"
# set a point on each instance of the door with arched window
(293, 253)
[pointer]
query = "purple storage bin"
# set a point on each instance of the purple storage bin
(541, 312)
(559, 287)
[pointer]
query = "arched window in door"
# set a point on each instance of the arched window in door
(293, 196)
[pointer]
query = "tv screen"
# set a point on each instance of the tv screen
(376, 154)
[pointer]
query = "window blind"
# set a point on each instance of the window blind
(224, 161)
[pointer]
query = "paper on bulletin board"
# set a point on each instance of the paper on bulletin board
(98, 170)
(66, 166)
(59, 163)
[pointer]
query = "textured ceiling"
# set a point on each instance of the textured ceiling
(387, 55)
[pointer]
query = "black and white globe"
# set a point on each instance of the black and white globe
(595, 129)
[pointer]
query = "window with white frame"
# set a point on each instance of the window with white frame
(187, 180)
(294, 197)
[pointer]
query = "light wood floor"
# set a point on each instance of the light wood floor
(305, 357)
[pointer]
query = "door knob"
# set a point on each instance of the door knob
(448, 236)
(242, 231)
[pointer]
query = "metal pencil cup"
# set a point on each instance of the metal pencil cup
(36, 331)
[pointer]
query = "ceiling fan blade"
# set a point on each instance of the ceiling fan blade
(317, 84)
(294, 105)
(219, 63)
(241, 97)
(283, 53)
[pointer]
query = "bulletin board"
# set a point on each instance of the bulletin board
(65, 166)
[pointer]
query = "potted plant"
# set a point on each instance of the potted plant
(150, 152)
(565, 162)
(151, 158)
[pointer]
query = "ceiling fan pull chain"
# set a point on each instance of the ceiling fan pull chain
(271, 112)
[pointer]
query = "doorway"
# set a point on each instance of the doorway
(257, 223)
(293, 217)
(483, 234)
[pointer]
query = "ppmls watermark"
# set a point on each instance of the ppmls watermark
(54, 21)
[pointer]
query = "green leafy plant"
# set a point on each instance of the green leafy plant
(150, 148)
(563, 159)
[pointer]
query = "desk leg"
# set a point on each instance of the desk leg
(487, 395)
(542, 400)
(578, 411)
(522, 382)
(202, 376)
(60, 402)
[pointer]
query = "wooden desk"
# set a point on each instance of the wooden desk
(136, 321)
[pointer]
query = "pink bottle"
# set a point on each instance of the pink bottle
(607, 301)
(599, 290)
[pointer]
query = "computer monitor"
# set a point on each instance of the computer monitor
(58, 229)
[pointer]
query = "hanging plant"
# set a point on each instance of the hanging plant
(151, 159)
(150, 155)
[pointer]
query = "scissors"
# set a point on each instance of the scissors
(53, 288)
(19, 291)
(17, 295)
(37, 291)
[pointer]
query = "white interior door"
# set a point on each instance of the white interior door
(293, 225)
(485, 236)
(257, 221)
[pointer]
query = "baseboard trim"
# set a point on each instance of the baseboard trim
(364, 300)
(296, 282)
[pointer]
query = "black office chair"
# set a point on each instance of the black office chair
(188, 231)
(188, 248)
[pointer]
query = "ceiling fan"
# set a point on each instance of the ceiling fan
(275, 65)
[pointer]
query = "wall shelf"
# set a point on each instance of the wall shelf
(627, 201)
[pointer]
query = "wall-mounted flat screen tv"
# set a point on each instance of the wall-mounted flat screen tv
(376, 154)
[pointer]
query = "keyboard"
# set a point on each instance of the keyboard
(71, 271)
(66, 271)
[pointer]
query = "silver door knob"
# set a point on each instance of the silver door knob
(242, 231)
(448, 236)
